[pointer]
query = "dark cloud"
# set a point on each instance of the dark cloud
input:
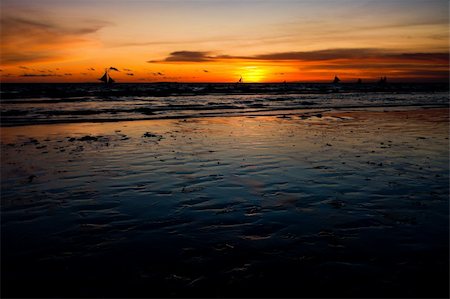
(318, 55)
(206, 71)
(370, 65)
(419, 73)
(127, 70)
(157, 74)
(130, 74)
(442, 57)
(113, 69)
(186, 56)
(330, 54)
(67, 74)
(37, 75)
(32, 36)
(91, 69)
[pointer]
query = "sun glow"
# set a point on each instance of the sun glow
(253, 74)
(262, 41)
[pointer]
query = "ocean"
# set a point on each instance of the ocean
(23, 104)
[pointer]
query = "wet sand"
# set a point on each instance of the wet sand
(316, 204)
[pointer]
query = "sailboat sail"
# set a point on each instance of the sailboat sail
(336, 79)
(104, 78)
(107, 78)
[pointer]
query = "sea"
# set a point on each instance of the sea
(27, 104)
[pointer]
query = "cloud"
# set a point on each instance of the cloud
(157, 74)
(38, 75)
(329, 54)
(130, 74)
(440, 57)
(91, 69)
(206, 71)
(186, 56)
(425, 73)
(113, 69)
(67, 74)
(317, 55)
(30, 36)
(367, 65)
(127, 70)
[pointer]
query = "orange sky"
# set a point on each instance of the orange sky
(219, 41)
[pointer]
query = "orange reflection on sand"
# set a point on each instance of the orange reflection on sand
(239, 126)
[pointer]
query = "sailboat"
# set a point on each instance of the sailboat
(107, 78)
(336, 79)
(383, 80)
(240, 80)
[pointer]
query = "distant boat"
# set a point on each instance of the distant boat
(359, 81)
(240, 80)
(107, 78)
(383, 80)
(336, 79)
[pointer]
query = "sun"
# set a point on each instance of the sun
(253, 74)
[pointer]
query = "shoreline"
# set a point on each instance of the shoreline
(254, 113)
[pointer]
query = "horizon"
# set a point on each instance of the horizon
(343, 82)
(219, 41)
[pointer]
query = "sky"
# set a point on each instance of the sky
(220, 41)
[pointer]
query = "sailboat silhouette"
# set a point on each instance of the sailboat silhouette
(383, 80)
(336, 79)
(107, 78)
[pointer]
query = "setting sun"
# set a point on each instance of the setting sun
(253, 74)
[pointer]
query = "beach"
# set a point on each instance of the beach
(224, 149)
(325, 202)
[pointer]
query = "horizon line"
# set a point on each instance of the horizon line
(218, 82)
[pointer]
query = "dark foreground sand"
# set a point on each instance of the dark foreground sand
(342, 203)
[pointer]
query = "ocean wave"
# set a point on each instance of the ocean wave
(62, 103)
